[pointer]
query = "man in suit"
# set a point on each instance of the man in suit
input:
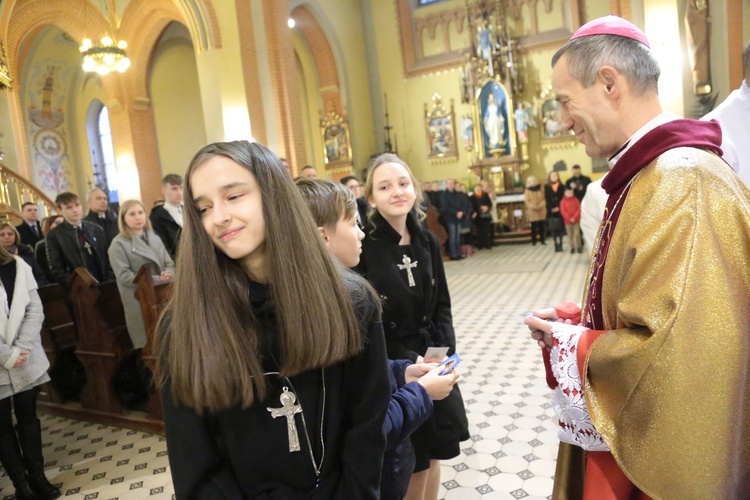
(30, 229)
(101, 215)
(76, 243)
(166, 219)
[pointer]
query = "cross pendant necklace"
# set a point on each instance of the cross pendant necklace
(408, 265)
(289, 409)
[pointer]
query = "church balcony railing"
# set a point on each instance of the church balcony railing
(15, 190)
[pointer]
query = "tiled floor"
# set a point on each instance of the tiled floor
(513, 446)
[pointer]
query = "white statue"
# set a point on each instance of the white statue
(494, 124)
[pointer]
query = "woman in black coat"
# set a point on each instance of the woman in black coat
(404, 264)
(554, 191)
(11, 242)
(482, 206)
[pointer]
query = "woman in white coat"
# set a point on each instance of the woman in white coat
(136, 245)
(23, 367)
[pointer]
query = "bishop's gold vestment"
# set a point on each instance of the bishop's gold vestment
(668, 384)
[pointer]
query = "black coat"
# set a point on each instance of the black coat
(363, 209)
(167, 229)
(553, 198)
(418, 317)
(451, 203)
(27, 234)
(40, 254)
(244, 453)
(64, 253)
(27, 254)
(578, 185)
(108, 223)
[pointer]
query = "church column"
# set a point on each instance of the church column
(222, 83)
(134, 143)
(287, 104)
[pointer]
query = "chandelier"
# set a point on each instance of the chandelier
(108, 54)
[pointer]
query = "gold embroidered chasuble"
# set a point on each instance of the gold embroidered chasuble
(668, 385)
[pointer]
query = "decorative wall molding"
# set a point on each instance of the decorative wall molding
(453, 21)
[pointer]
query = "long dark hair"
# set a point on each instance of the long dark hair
(209, 338)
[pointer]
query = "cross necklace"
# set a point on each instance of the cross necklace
(289, 410)
(408, 265)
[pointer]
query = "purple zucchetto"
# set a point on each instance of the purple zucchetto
(611, 25)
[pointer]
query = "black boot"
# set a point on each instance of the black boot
(12, 460)
(30, 437)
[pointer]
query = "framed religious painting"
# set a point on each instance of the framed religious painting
(337, 149)
(550, 118)
(441, 130)
(494, 125)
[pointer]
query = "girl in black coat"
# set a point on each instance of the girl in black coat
(271, 357)
(403, 262)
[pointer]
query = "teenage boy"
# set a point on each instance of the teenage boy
(76, 243)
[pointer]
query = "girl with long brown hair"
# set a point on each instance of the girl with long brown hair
(403, 263)
(271, 357)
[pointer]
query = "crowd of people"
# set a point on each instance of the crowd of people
(306, 351)
(555, 209)
(36, 253)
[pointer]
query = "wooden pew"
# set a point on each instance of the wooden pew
(59, 332)
(436, 228)
(102, 338)
(152, 298)
(101, 343)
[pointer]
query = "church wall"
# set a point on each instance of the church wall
(408, 96)
(176, 100)
(8, 140)
(311, 104)
(49, 105)
(342, 21)
(88, 88)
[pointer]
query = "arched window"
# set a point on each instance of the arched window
(108, 156)
(104, 175)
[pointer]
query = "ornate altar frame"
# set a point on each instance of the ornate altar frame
(337, 149)
(440, 127)
(493, 87)
(553, 134)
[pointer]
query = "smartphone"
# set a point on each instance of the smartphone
(523, 316)
(435, 353)
(450, 364)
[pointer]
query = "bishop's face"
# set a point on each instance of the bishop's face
(588, 112)
(393, 193)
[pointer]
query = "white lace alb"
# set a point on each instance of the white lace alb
(568, 402)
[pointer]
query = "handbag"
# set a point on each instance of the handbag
(555, 225)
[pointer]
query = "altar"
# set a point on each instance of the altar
(511, 212)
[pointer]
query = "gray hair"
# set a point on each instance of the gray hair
(746, 63)
(586, 55)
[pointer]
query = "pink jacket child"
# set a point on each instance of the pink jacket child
(570, 208)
